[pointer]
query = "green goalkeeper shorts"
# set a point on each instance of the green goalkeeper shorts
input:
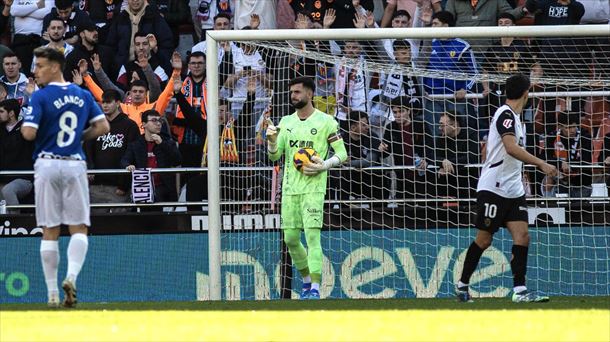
(303, 211)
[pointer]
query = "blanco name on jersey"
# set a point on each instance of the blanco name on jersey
(68, 99)
(501, 173)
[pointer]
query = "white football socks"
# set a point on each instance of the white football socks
(77, 251)
(49, 255)
(307, 280)
(315, 286)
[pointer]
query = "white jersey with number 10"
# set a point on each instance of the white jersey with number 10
(502, 173)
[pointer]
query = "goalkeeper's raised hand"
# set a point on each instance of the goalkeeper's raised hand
(271, 134)
(318, 165)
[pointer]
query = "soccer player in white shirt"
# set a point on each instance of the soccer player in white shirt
(500, 192)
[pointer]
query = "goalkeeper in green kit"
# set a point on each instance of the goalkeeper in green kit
(303, 192)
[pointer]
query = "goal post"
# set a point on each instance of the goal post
(277, 39)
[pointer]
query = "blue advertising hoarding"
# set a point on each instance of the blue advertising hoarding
(392, 263)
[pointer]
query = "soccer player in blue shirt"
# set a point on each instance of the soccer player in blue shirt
(56, 120)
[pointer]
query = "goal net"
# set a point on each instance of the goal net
(414, 109)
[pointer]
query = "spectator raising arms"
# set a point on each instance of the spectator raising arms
(138, 16)
(138, 92)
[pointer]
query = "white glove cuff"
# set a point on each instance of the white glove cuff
(331, 162)
(271, 147)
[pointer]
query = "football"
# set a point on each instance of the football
(302, 157)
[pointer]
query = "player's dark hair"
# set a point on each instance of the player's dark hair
(516, 86)
(568, 119)
(51, 55)
(356, 115)
(9, 55)
(11, 105)
(506, 15)
(111, 95)
(195, 54)
(63, 4)
(148, 113)
(222, 15)
(307, 82)
(401, 13)
(138, 83)
(444, 17)
(139, 34)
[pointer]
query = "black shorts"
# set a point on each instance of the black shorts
(493, 211)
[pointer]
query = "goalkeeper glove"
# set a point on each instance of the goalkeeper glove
(318, 165)
(271, 133)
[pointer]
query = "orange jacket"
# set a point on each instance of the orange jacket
(134, 112)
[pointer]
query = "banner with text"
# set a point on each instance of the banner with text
(394, 263)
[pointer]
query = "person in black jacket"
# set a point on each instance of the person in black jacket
(121, 36)
(88, 46)
(15, 154)
(153, 150)
(73, 18)
(101, 13)
(106, 152)
(454, 150)
(568, 148)
(404, 142)
(235, 185)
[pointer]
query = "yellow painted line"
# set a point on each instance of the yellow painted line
(415, 325)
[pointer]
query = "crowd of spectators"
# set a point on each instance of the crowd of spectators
(409, 135)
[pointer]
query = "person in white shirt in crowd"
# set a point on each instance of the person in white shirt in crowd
(28, 16)
(248, 62)
(245, 9)
(205, 13)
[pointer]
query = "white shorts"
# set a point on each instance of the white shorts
(62, 192)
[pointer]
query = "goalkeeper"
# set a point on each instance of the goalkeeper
(303, 193)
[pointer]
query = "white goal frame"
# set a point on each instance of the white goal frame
(212, 71)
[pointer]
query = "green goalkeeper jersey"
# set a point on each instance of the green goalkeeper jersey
(319, 132)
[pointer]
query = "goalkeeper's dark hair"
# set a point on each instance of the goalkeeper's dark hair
(307, 82)
(516, 86)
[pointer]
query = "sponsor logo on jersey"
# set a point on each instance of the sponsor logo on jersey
(301, 143)
(508, 123)
(313, 131)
